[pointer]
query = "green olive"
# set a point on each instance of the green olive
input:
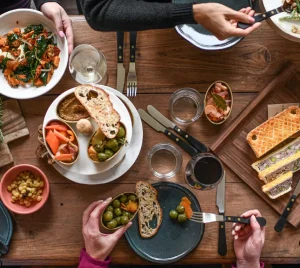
(99, 148)
(180, 209)
(121, 132)
(111, 144)
(108, 216)
(109, 208)
(173, 214)
(181, 217)
(112, 224)
(109, 153)
(118, 212)
(124, 220)
(118, 219)
(116, 203)
(123, 198)
(122, 141)
(102, 157)
(132, 197)
(126, 213)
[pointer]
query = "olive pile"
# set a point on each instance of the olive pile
(115, 215)
(102, 148)
(178, 214)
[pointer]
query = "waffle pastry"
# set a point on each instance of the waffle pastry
(266, 136)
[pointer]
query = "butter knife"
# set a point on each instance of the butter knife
(160, 128)
(222, 247)
(120, 67)
(169, 124)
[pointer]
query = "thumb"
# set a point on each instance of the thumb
(255, 227)
(118, 234)
(241, 17)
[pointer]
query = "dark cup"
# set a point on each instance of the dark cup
(204, 171)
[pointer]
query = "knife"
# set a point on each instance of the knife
(169, 124)
(160, 128)
(283, 218)
(222, 247)
(120, 67)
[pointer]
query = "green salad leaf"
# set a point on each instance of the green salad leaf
(219, 101)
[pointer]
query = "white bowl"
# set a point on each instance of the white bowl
(22, 18)
(283, 28)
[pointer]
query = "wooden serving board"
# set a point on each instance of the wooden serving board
(234, 150)
(13, 128)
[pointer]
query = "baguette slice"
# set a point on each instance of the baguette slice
(148, 209)
(280, 186)
(97, 102)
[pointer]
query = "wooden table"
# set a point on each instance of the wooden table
(165, 62)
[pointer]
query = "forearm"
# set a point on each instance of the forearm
(38, 3)
(244, 264)
(129, 15)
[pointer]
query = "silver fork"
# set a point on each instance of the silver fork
(201, 217)
(131, 77)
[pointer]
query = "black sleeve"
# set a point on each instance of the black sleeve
(38, 3)
(130, 15)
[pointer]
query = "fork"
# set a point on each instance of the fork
(131, 77)
(201, 217)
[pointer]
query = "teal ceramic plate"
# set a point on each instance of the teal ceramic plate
(173, 240)
(200, 37)
(6, 228)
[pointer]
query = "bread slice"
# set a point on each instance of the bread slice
(279, 186)
(266, 136)
(97, 102)
(148, 209)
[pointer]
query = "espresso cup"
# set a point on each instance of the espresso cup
(204, 171)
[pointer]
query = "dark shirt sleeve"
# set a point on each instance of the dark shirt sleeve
(130, 15)
(38, 3)
(86, 261)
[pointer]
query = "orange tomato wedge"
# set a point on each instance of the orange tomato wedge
(186, 203)
(72, 136)
(64, 157)
(52, 141)
(60, 136)
(57, 127)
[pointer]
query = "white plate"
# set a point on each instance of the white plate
(84, 166)
(22, 18)
(129, 159)
(283, 28)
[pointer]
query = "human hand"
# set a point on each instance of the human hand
(221, 21)
(248, 241)
(63, 23)
(97, 244)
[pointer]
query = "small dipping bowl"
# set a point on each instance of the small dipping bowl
(186, 106)
(164, 160)
(204, 171)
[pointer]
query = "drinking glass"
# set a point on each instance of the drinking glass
(87, 65)
(186, 106)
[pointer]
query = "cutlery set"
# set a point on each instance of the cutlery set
(193, 147)
(131, 77)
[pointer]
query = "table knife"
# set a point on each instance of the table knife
(160, 128)
(120, 67)
(283, 218)
(169, 124)
(222, 247)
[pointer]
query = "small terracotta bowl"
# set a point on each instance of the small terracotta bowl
(231, 104)
(7, 180)
(110, 204)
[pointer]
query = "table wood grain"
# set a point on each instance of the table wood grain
(165, 62)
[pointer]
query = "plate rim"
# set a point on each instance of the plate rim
(141, 254)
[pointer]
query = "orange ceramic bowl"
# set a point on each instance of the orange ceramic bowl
(10, 176)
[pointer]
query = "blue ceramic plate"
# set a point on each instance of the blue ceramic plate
(6, 227)
(173, 240)
(202, 38)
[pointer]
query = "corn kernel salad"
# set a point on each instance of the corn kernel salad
(26, 189)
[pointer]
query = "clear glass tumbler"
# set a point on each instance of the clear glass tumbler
(87, 65)
(186, 106)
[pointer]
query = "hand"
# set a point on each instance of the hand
(63, 23)
(99, 245)
(248, 241)
(221, 21)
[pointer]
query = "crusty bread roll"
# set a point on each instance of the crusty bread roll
(148, 208)
(97, 102)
